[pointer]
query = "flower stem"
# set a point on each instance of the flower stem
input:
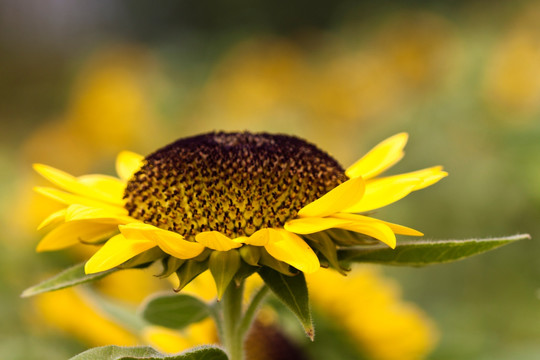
(232, 313)
(235, 325)
(249, 315)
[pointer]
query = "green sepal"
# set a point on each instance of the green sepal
(424, 252)
(250, 254)
(144, 259)
(323, 263)
(72, 276)
(170, 265)
(244, 272)
(204, 255)
(293, 292)
(223, 265)
(343, 237)
(268, 260)
(174, 311)
(189, 271)
(323, 243)
(114, 352)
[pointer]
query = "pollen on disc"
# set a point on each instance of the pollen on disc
(234, 183)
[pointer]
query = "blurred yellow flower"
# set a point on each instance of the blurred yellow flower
(72, 312)
(419, 49)
(336, 78)
(257, 79)
(512, 78)
(370, 310)
(110, 102)
(131, 286)
(110, 108)
(351, 87)
(171, 341)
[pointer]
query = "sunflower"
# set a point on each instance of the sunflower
(231, 203)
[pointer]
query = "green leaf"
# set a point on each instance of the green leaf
(293, 292)
(113, 352)
(424, 252)
(174, 311)
(116, 310)
(70, 277)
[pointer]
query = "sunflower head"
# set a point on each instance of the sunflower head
(231, 203)
(233, 183)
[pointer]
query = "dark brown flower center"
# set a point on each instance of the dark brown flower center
(234, 183)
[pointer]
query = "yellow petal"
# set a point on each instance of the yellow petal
(427, 176)
(380, 158)
(116, 251)
(241, 239)
(55, 218)
(258, 238)
(112, 186)
(402, 230)
(382, 192)
(81, 212)
(397, 229)
(377, 230)
(216, 241)
(69, 199)
(127, 163)
(291, 249)
(170, 242)
(313, 225)
(73, 232)
(341, 197)
(72, 184)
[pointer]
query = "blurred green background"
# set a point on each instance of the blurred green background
(80, 81)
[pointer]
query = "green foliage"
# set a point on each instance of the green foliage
(326, 246)
(170, 266)
(293, 292)
(175, 311)
(424, 252)
(334, 341)
(144, 259)
(250, 254)
(189, 270)
(113, 352)
(271, 262)
(115, 310)
(70, 277)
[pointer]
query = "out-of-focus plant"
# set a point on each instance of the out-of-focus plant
(94, 317)
(512, 78)
(339, 77)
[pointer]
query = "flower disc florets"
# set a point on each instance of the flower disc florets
(234, 183)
